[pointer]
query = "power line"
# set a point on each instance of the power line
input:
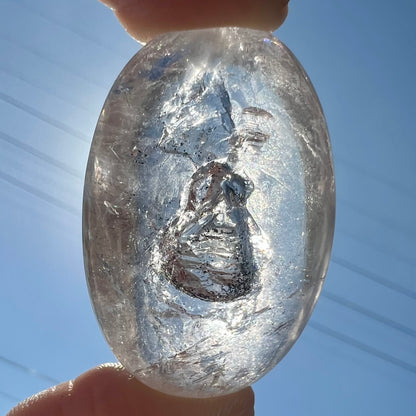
(43, 156)
(389, 252)
(40, 194)
(397, 186)
(52, 91)
(363, 347)
(367, 312)
(385, 221)
(41, 116)
(9, 397)
(374, 277)
(28, 370)
(66, 27)
(53, 62)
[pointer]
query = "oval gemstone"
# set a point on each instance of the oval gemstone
(208, 210)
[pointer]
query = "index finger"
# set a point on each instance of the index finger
(144, 19)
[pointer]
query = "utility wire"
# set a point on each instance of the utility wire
(52, 91)
(379, 247)
(40, 194)
(362, 346)
(396, 186)
(43, 156)
(374, 277)
(45, 57)
(367, 312)
(9, 397)
(55, 22)
(41, 116)
(28, 370)
(384, 221)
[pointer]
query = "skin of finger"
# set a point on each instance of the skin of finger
(144, 19)
(109, 390)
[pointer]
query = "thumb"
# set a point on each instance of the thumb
(109, 390)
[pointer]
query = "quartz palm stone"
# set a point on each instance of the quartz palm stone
(208, 210)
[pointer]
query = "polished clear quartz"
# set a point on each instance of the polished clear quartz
(208, 210)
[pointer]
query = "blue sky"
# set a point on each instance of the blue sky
(358, 354)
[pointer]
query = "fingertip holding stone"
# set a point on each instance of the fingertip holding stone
(145, 19)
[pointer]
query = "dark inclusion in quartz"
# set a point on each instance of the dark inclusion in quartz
(206, 251)
(208, 210)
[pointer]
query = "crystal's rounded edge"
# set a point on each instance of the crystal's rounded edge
(172, 389)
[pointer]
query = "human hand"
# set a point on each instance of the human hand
(109, 390)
